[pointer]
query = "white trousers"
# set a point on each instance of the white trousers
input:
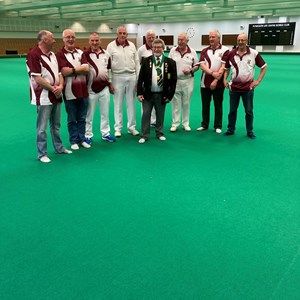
(125, 87)
(181, 102)
(103, 98)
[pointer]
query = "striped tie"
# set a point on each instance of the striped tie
(159, 73)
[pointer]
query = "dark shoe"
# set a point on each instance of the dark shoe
(227, 133)
(251, 135)
(109, 138)
(88, 141)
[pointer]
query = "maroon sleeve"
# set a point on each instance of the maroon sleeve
(225, 56)
(33, 63)
(203, 55)
(83, 59)
(259, 61)
(229, 55)
(62, 62)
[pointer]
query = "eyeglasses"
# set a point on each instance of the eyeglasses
(241, 40)
(69, 37)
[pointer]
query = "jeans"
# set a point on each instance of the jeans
(247, 98)
(76, 110)
(47, 113)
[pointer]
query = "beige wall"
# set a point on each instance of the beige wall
(24, 45)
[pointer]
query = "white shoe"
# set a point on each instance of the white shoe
(118, 133)
(173, 129)
(162, 138)
(142, 140)
(187, 128)
(133, 132)
(218, 130)
(85, 145)
(66, 151)
(201, 128)
(45, 159)
(74, 147)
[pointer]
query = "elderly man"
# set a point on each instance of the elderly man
(99, 88)
(242, 61)
(186, 58)
(74, 67)
(212, 63)
(46, 85)
(156, 87)
(146, 51)
(125, 68)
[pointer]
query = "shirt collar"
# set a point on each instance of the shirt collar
(247, 48)
(67, 51)
(125, 45)
(147, 47)
(188, 49)
(91, 51)
(218, 47)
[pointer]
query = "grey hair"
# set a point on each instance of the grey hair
(41, 34)
(159, 41)
(150, 31)
(63, 33)
(121, 26)
(217, 32)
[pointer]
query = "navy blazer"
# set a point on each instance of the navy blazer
(169, 78)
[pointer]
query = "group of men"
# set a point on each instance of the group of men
(85, 78)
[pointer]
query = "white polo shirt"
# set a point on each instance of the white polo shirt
(144, 51)
(187, 60)
(124, 59)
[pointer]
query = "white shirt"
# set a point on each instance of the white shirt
(187, 60)
(154, 87)
(144, 51)
(123, 59)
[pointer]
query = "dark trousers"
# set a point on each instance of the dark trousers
(247, 98)
(217, 95)
(155, 100)
(76, 110)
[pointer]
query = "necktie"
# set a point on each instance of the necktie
(159, 73)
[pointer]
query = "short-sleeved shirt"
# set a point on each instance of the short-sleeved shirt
(99, 64)
(39, 64)
(187, 60)
(242, 68)
(213, 59)
(75, 86)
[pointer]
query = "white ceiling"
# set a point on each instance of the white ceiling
(147, 11)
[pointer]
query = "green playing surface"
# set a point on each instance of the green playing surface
(199, 216)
